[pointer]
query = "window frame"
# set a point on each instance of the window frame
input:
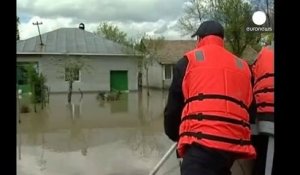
(171, 71)
(79, 76)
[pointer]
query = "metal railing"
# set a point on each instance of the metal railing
(269, 161)
(163, 159)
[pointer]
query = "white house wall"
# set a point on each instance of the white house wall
(167, 83)
(96, 78)
(155, 76)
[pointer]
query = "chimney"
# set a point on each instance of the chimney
(81, 26)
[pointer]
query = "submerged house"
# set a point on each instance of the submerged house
(160, 72)
(108, 65)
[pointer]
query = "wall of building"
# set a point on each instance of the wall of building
(155, 75)
(94, 77)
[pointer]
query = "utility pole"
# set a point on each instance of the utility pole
(37, 23)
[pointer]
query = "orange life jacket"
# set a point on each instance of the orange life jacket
(263, 72)
(218, 92)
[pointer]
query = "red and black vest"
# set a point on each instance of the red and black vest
(263, 90)
(218, 92)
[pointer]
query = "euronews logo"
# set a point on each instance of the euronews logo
(259, 19)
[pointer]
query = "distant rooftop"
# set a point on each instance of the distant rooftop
(172, 50)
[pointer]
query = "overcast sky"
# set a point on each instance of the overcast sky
(135, 17)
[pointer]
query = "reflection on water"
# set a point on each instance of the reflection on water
(93, 137)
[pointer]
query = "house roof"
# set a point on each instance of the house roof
(70, 41)
(172, 50)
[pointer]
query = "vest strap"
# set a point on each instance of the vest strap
(200, 135)
(267, 75)
(201, 117)
(264, 104)
(202, 96)
(264, 90)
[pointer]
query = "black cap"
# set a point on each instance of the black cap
(209, 28)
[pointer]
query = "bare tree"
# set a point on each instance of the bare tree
(149, 47)
(233, 14)
(69, 69)
(266, 6)
(195, 11)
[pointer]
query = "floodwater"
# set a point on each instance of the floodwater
(92, 137)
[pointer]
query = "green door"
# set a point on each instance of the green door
(119, 80)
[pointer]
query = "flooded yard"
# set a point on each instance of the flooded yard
(92, 137)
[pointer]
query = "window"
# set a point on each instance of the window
(168, 71)
(72, 74)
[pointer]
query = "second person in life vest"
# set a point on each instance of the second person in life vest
(263, 73)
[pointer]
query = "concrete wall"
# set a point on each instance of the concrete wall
(94, 78)
(155, 76)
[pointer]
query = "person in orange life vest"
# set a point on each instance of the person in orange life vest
(263, 73)
(207, 110)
